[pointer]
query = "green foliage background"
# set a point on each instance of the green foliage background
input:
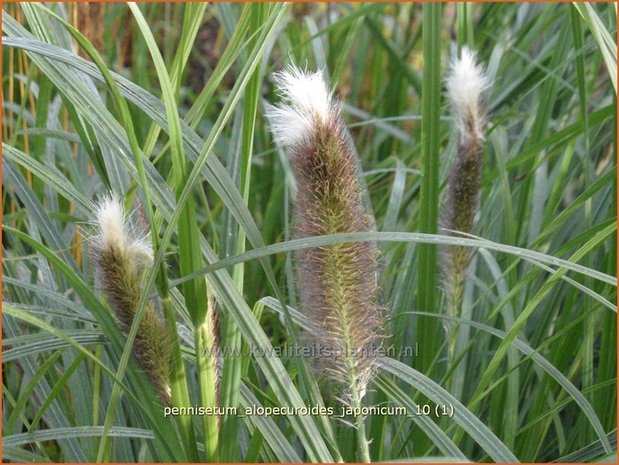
(170, 114)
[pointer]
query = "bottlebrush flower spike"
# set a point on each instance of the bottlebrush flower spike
(120, 255)
(465, 84)
(337, 284)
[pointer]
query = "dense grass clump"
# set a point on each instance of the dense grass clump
(444, 166)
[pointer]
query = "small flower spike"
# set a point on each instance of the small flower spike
(120, 255)
(465, 84)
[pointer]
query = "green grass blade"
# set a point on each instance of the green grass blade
(188, 241)
(320, 241)
(427, 256)
(607, 44)
(231, 377)
(463, 416)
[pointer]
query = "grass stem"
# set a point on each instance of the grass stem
(427, 263)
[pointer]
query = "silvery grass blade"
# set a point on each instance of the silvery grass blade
(521, 346)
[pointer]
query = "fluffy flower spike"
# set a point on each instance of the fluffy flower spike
(337, 284)
(465, 84)
(120, 253)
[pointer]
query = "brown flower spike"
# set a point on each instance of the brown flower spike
(337, 284)
(465, 83)
(120, 256)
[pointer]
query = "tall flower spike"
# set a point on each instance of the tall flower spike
(465, 84)
(120, 255)
(337, 284)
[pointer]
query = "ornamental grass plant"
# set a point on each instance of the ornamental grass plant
(391, 226)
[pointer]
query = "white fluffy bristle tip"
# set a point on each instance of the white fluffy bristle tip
(306, 102)
(114, 231)
(111, 221)
(465, 83)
